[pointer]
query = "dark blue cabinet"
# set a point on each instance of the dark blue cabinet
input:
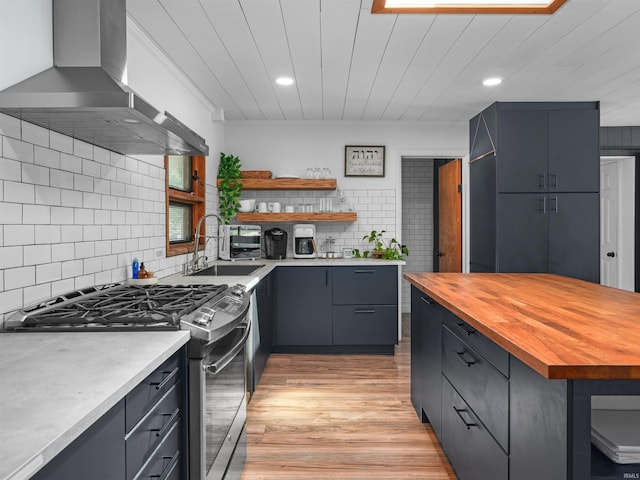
(265, 295)
(534, 196)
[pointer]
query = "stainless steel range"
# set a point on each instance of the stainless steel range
(216, 316)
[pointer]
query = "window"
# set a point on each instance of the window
(185, 200)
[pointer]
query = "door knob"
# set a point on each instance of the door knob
(611, 254)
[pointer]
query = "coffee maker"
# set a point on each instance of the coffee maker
(304, 240)
(275, 244)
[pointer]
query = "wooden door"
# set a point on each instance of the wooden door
(450, 216)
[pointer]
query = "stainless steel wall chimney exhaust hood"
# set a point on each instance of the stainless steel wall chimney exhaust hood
(84, 95)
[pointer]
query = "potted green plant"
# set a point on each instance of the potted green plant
(230, 188)
(391, 250)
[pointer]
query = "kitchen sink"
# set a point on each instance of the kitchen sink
(231, 270)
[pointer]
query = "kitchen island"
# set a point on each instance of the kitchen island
(520, 357)
(53, 387)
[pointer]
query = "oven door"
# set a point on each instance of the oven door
(217, 408)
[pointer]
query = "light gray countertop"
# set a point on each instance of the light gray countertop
(54, 386)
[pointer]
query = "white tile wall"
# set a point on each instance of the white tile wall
(73, 215)
(417, 219)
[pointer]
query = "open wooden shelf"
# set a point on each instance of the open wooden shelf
(287, 184)
(298, 217)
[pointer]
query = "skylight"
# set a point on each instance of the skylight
(466, 6)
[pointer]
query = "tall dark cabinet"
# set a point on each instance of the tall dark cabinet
(534, 188)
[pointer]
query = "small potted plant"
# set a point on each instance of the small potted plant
(391, 250)
(230, 188)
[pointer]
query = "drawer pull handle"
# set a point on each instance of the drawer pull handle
(364, 270)
(172, 416)
(167, 379)
(364, 311)
(460, 411)
(425, 300)
(168, 468)
(461, 356)
(465, 329)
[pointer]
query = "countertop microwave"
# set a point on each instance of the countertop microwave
(239, 242)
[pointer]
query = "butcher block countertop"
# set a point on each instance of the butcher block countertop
(561, 327)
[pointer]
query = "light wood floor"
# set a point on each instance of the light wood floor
(350, 417)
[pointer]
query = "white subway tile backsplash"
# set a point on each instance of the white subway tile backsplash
(108, 172)
(132, 192)
(10, 170)
(85, 249)
(131, 164)
(17, 150)
(101, 186)
(82, 183)
(50, 272)
(82, 149)
(124, 231)
(71, 233)
(1, 191)
(92, 265)
(11, 257)
(91, 200)
(35, 174)
(83, 216)
(35, 134)
(62, 287)
(61, 252)
(47, 157)
(19, 277)
(118, 217)
(70, 198)
(70, 269)
(70, 163)
(61, 215)
(19, 235)
(10, 300)
(117, 160)
(47, 234)
(124, 204)
(60, 143)
(61, 179)
(132, 245)
(47, 195)
(91, 233)
(109, 232)
(101, 155)
(123, 176)
(36, 214)
(102, 217)
(109, 202)
(103, 247)
(11, 213)
(10, 126)
(91, 168)
(119, 246)
(117, 189)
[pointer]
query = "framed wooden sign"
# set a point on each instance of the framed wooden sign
(363, 161)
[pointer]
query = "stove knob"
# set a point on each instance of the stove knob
(204, 315)
(238, 290)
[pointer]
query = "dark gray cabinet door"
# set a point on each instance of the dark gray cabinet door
(483, 214)
(99, 453)
(265, 298)
(523, 233)
(574, 151)
(418, 316)
(522, 151)
(574, 235)
(303, 306)
(365, 285)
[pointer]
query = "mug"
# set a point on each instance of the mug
(274, 207)
(247, 205)
(289, 209)
(261, 207)
(348, 252)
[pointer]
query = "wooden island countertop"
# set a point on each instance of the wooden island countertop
(561, 327)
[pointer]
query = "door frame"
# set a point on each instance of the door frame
(626, 218)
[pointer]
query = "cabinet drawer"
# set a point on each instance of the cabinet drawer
(150, 390)
(473, 453)
(484, 388)
(153, 428)
(365, 285)
(166, 460)
(497, 356)
(365, 325)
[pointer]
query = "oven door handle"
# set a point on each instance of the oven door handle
(217, 367)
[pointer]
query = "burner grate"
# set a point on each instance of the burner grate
(122, 307)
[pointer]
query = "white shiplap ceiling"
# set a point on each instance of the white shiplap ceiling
(350, 64)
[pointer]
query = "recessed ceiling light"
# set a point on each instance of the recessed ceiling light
(490, 82)
(466, 6)
(284, 81)
(130, 120)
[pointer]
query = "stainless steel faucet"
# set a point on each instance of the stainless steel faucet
(194, 261)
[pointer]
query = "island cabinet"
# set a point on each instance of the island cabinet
(336, 309)
(534, 188)
(517, 362)
(142, 436)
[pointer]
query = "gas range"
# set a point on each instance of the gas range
(208, 311)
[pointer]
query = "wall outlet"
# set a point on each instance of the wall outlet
(158, 253)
